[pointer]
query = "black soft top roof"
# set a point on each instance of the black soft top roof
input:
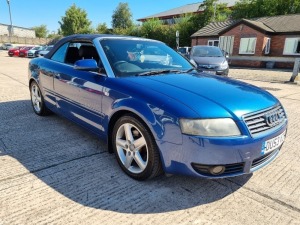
(78, 37)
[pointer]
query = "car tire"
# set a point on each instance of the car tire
(135, 148)
(37, 100)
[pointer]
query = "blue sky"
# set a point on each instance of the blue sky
(30, 13)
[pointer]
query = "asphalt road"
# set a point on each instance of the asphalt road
(54, 172)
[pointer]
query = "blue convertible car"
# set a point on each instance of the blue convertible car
(156, 111)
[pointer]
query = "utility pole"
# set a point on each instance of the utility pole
(177, 39)
(11, 30)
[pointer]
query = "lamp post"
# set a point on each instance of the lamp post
(11, 26)
(177, 39)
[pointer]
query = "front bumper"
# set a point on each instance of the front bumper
(223, 72)
(30, 55)
(238, 155)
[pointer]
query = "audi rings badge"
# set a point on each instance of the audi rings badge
(274, 118)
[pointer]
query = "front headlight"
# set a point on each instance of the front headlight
(224, 65)
(221, 127)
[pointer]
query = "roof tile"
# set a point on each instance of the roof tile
(274, 24)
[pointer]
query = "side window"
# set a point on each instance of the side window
(88, 51)
(213, 43)
(59, 55)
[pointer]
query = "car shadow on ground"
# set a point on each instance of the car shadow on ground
(76, 164)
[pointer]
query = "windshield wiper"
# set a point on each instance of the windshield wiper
(155, 72)
(189, 70)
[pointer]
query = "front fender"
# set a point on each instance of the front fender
(33, 71)
(163, 125)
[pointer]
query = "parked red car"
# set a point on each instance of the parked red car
(14, 51)
(23, 52)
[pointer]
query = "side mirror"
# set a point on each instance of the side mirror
(226, 54)
(86, 65)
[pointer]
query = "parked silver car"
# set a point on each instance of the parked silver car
(7, 46)
(31, 52)
(210, 59)
(44, 51)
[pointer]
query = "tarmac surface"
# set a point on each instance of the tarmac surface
(55, 172)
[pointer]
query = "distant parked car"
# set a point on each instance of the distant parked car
(7, 46)
(14, 51)
(37, 52)
(31, 52)
(209, 59)
(23, 52)
(45, 51)
(185, 51)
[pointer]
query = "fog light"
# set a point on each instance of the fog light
(217, 170)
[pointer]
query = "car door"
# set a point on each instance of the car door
(78, 93)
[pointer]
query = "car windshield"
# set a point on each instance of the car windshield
(36, 48)
(142, 57)
(48, 48)
(206, 51)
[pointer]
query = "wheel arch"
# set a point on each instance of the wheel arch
(32, 80)
(154, 118)
(117, 115)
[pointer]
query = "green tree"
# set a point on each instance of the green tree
(212, 12)
(75, 22)
(41, 31)
(152, 28)
(102, 28)
(260, 8)
(185, 26)
(122, 17)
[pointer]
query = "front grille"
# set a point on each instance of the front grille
(208, 66)
(265, 120)
(229, 169)
(234, 168)
(263, 159)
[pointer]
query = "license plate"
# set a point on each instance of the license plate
(272, 144)
(210, 72)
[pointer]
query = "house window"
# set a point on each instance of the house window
(291, 46)
(213, 43)
(247, 45)
(268, 45)
(226, 43)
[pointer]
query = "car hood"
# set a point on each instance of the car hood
(209, 96)
(209, 60)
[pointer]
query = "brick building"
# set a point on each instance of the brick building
(264, 39)
(171, 16)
